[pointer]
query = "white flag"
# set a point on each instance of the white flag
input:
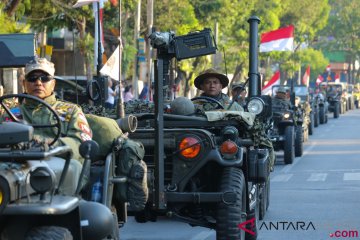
(111, 67)
(81, 3)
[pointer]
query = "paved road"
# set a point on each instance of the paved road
(315, 197)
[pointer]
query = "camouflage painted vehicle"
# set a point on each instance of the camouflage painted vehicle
(302, 102)
(37, 200)
(350, 96)
(333, 91)
(287, 133)
(207, 168)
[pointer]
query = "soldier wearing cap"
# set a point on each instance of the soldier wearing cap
(39, 81)
(281, 98)
(239, 92)
(211, 83)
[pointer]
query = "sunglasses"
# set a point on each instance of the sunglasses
(43, 78)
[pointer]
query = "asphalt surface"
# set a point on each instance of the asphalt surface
(315, 198)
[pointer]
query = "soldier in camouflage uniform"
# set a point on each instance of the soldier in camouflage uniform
(39, 82)
(211, 83)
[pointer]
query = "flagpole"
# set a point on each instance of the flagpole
(120, 106)
(99, 60)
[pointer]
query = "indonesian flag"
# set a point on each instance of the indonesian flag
(319, 80)
(278, 40)
(306, 77)
(337, 78)
(275, 80)
(328, 68)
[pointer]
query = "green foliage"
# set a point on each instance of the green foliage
(315, 59)
(9, 25)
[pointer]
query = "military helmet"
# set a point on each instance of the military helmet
(182, 106)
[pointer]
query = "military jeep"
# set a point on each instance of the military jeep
(207, 169)
(287, 133)
(40, 184)
(334, 97)
(302, 101)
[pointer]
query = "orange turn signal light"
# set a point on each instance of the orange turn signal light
(228, 148)
(189, 147)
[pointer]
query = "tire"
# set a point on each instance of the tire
(229, 216)
(311, 125)
(264, 199)
(289, 145)
(316, 118)
(336, 110)
(49, 233)
(322, 115)
(299, 147)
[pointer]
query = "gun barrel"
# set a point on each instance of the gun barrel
(254, 84)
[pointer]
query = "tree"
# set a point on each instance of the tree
(343, 29)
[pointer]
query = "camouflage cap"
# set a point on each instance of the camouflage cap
(281, 90)
(41, 64)
(211, 73)
(238, 86)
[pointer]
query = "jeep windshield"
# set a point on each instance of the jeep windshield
(301, 91)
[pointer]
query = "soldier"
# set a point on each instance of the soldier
(211, 83)
(281, 98)
(239, 91)
(39, 82)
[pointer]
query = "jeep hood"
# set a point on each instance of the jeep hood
(245, 117)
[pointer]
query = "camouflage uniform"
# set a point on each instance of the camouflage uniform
(224, 100)
(74, 126)
(258, 132)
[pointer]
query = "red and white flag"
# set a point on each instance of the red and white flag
(306, 77)
(275, 80)
(319, 80)
(328, 68)
(278, 40)
(337, 78)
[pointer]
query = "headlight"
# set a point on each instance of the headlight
(287, 115)
(4, 193)
(189, 147)
(42, 179)
(256, 106)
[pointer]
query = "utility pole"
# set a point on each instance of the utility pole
(136, 37)
(120, 107)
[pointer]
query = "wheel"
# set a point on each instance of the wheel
(229, 216)
(208, 99)
(322, 115)
(289, 145)
(311, 124)
(336, 110)
(299, 147)
(49, 232)
(21, 98)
